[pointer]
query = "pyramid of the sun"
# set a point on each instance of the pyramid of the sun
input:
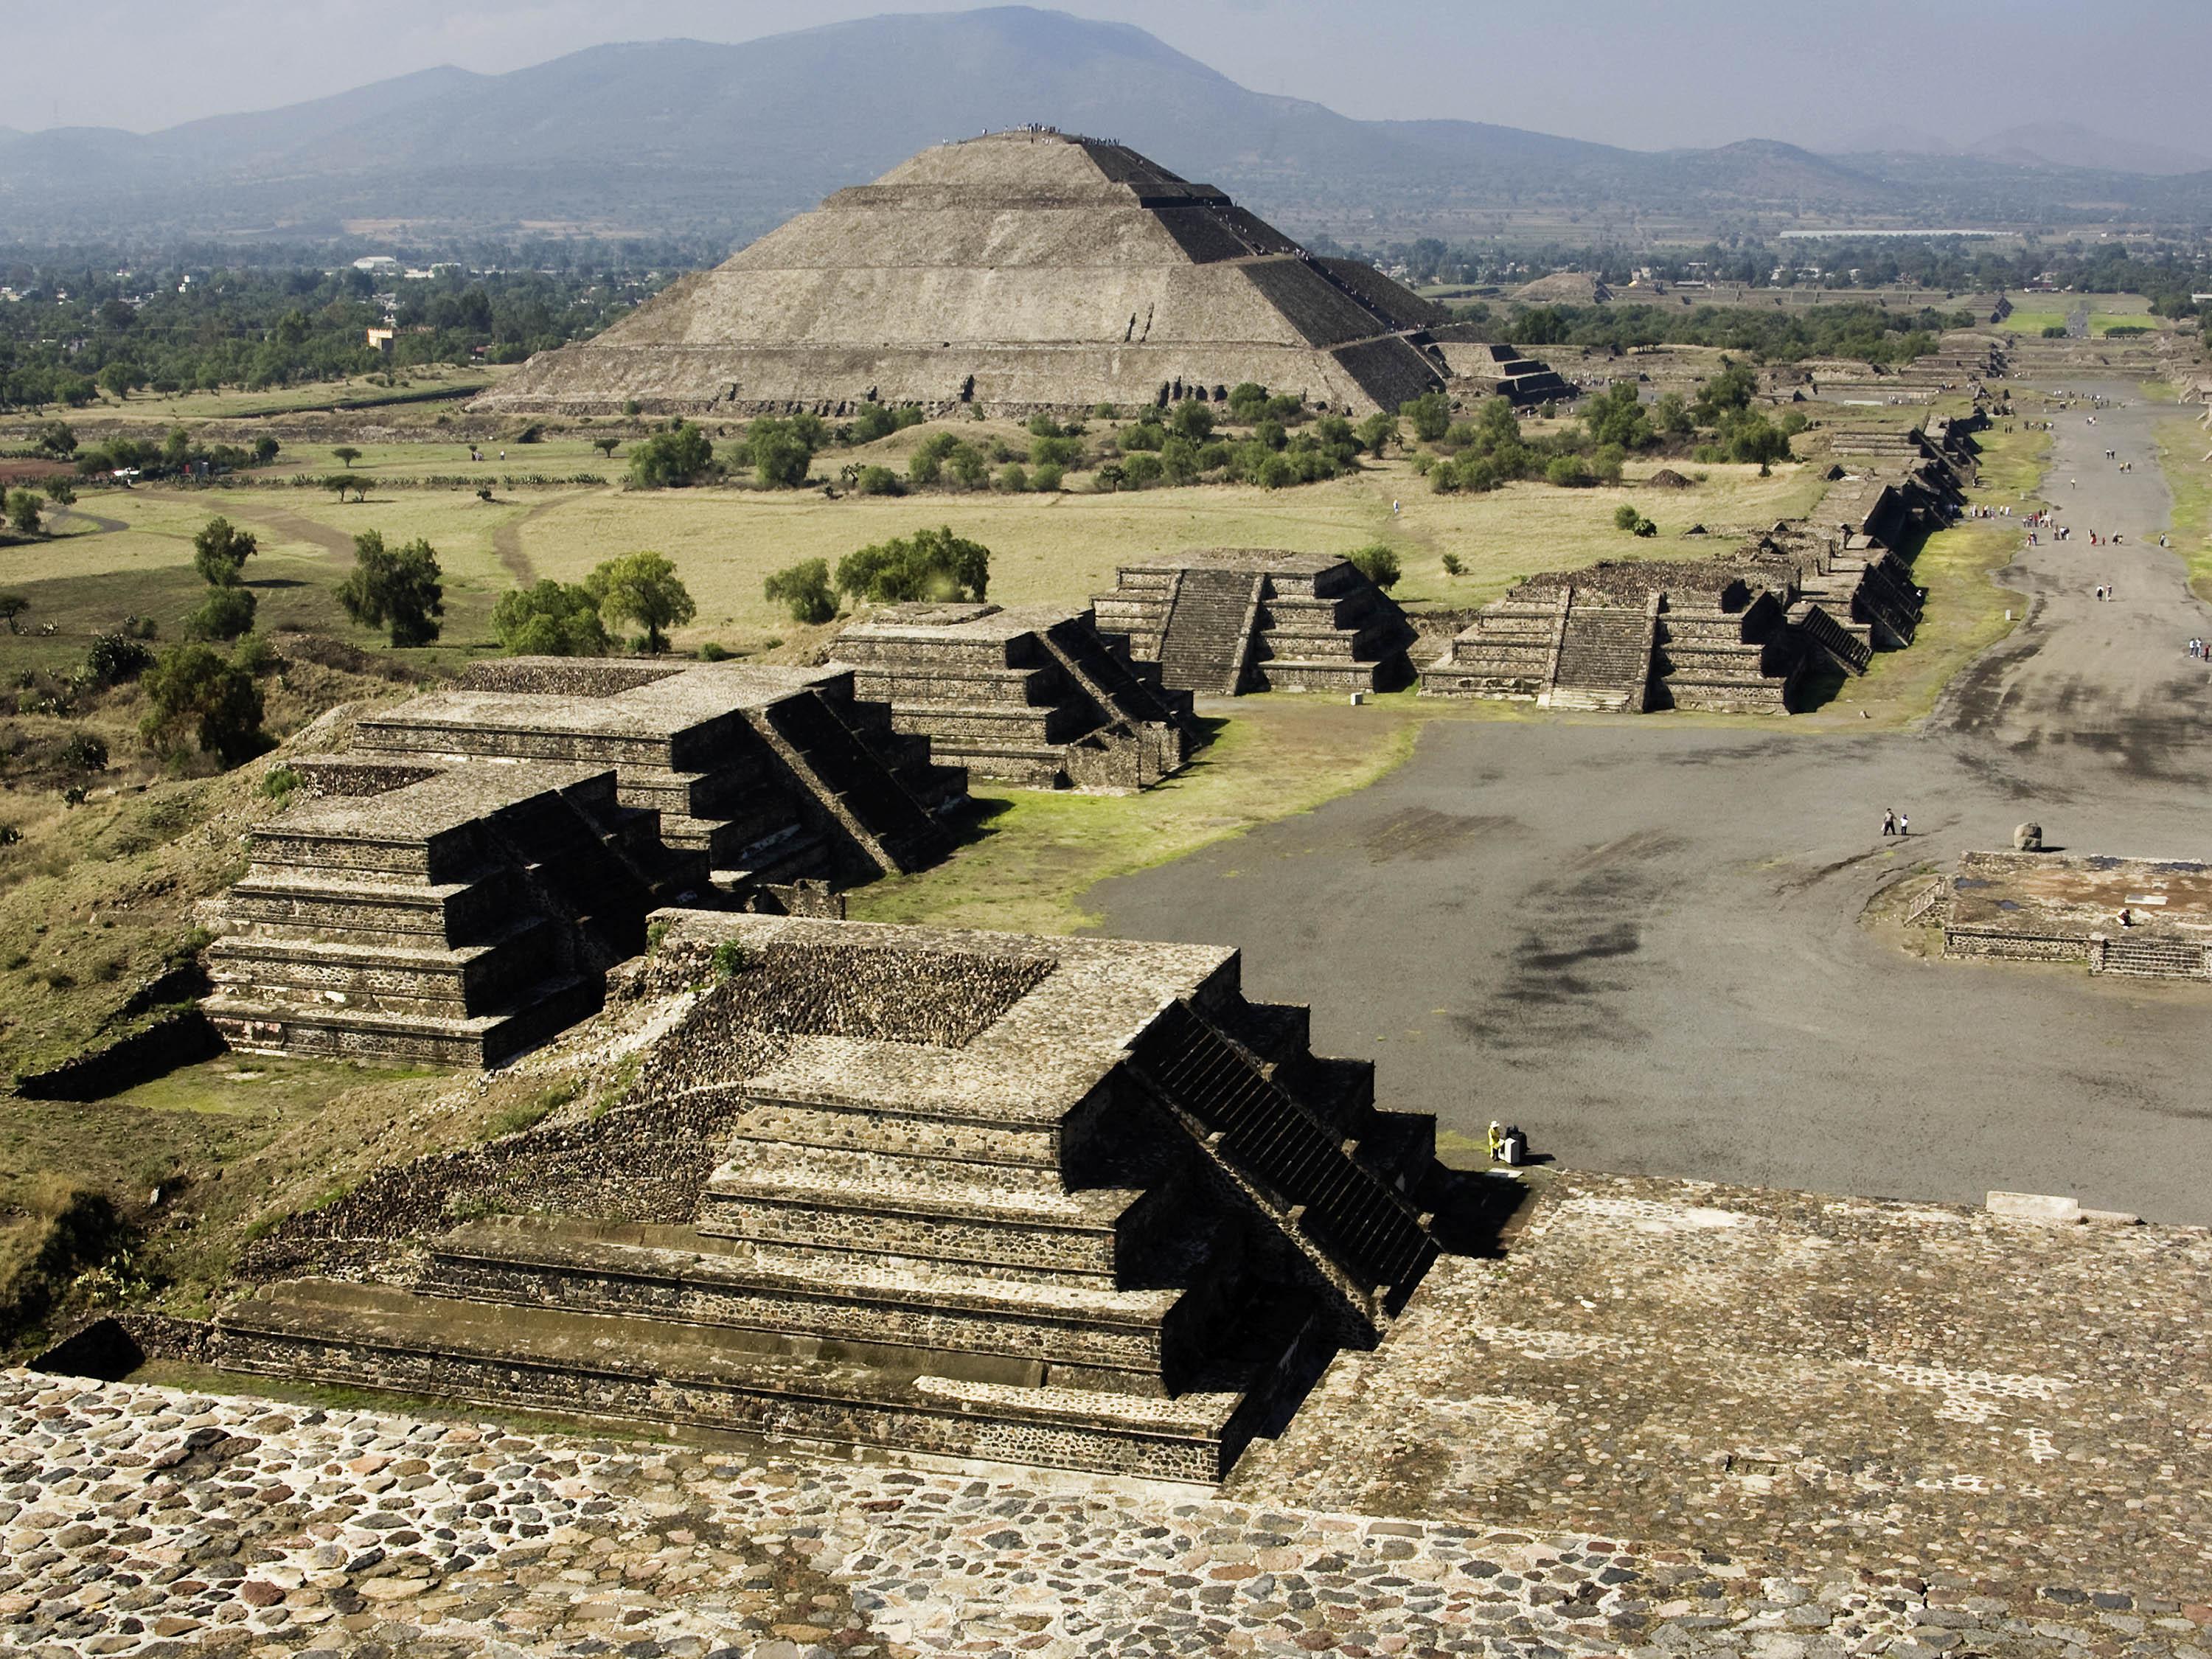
(1023, 271)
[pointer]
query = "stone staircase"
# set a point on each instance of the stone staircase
(1302, 621)
(1354, 1220)
(1506, 653)
(1710, 658)
(1208, 640)
(456, 921)
(2149, 955)
(1605, 657)
(886, 822)
(1068, 1202)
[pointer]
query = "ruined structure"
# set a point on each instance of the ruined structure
(458, 918)
(1224, 621)
(1073, 1202)
(1486, 368)
(2149, 918)
(1017, 272)
(481, 856)
(1031, 697)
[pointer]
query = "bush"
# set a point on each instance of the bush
(279, 782)
(1191, 420)
(1568, 472)
(1430, 414)
(1060, 452)
(876, 481)
(84, 752)
(1453, 566)
(671, 459)
(1142, 470)
(1625, 516)
(397, 589)
(115, 658)
(1145, 434)
(196, 696)
(804, 588)
(258, 657)
(22, 506)
(642, 589)
(225, 614)
(1377, 432)
(1013, 479)
(550, 619)
(879, 421)
(713, 651)
(1045, 480)
(931, 564)
(780, 452)
(1377, 563)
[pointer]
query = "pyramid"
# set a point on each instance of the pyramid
(1023, 272)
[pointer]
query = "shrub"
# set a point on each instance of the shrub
(397, 589)
(197, 696)
(22, 506)
(279, 782)
(931, 564)
(780, 452)
(679, 456)
(1145, 434)
(1060, 452)
(1453, 566)
(879, 421)
(1045, 479)
(1378, 564)
(1142, 470)
(1430, 414)
(1568, 472)
(1191, 420)
(84, 752)
(713, 651)
(258, 657)
(550, 619)
(225, 614)
(1013, 479)
(876, 481)
(1625, 516)
(1377, 432)
(113, 657)
(803, 589)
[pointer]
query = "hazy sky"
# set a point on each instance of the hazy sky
(1651, 74)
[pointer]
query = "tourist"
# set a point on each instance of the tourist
(1889, 821)
(1904, 825)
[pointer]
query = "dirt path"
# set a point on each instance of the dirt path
(285, 522)
(506, 540)
(100, 527)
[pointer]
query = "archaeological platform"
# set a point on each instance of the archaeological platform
(1074, 1202)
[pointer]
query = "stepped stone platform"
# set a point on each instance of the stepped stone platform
(1070, 1202)
(1016, 272)
(2049, 906)
(1221, 621)
(1480, 366)
(1036, 697)
(457, 919)
(775, 774)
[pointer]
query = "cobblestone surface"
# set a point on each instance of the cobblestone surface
(1942, 1436)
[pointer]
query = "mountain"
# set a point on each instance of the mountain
(2069, 144)
(726, 142)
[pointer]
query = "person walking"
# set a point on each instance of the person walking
(1904, 825)
(1889, 822)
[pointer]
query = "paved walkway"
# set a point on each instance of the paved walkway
(1640, 937)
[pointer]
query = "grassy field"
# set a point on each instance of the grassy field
(237, 404)
(132, 549)
(2181, 443)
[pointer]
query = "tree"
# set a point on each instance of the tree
(346, 455)
(1670, 415)
(220, 550)
(780, 452)
(606, 446)
(196, 695)
(23, 512)
(931, 564)
(116, 380)
(1377, 432)
(1430, 414)
(344, 483)
(55, 439)
(13, 606)
(1191, 420)
(804, 588)
(264, 450)
(225, 614)
(550, 619)
(398, 590)
(1730, 390)
(642, 589)
(669, 459)
(1378, 564)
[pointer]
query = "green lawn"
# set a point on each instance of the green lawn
(2181, 444)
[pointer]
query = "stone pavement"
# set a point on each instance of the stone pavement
(1938, 1433)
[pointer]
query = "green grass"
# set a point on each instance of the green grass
(2180, 443)
(236, 404)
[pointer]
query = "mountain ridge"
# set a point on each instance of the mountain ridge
(726, 140)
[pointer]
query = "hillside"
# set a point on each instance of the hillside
(682, 137)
